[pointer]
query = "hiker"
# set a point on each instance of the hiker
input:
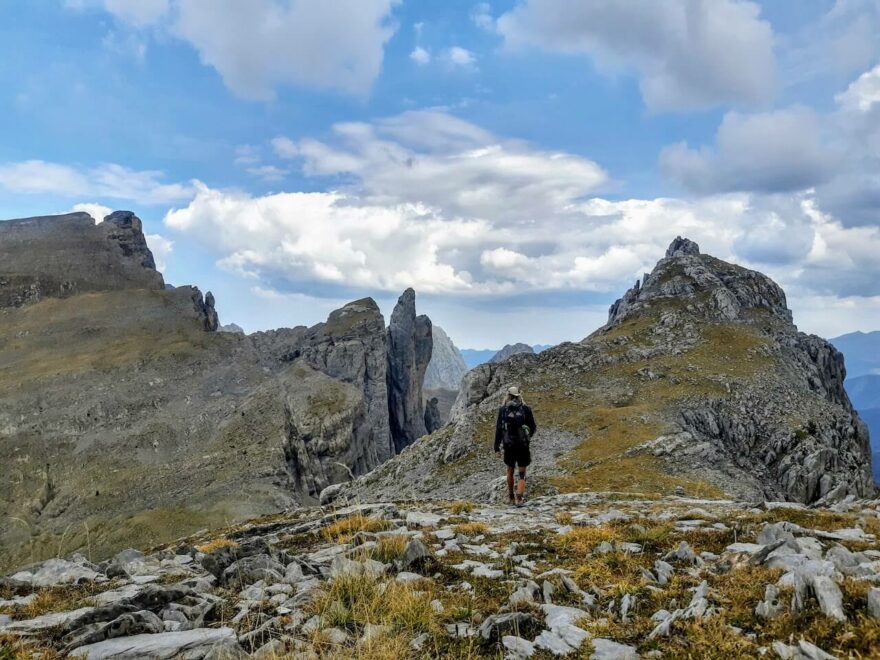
(513, 430)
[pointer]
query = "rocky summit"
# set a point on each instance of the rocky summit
(698, 382)
(126, 419)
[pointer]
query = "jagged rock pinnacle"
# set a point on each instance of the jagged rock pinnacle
(681, 247)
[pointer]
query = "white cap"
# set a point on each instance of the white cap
(514, 391)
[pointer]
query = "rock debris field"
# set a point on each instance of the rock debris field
(596, 575)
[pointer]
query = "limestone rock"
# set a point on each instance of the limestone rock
(447, 366)
(65, 255)
(409, 352)
(510, 350)
(191, 644)
(433, 418)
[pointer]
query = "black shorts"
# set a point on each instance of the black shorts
(517, 454)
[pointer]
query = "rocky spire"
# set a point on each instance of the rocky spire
(681, 247)
(409, 351)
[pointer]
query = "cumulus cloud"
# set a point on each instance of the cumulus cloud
(460, 57)
(161, 248)
(840, 43)
(97, 211)
(863, 94)
(106, 180)
(427, 200)
(435, 159)
(420, 56)
(258, 45)
(688, 54)
(774, 151)
(836, 154)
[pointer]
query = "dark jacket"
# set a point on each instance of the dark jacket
(499, 425)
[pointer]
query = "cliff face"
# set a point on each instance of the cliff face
(447, 366)
(699, 381)
(126, 420)
(65, 255)
(409, 352)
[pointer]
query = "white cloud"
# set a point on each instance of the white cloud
(445, 163)
(261, 44)
(460, 57)
(247, 155)
(774, 151)
(97, 211)
(420, 56)
(863, 93)
(481, 16)
(284, 147)
(268, 173)
(38, 176)
(689, 54)
(161, 248)
(107, 180)
(840, 43)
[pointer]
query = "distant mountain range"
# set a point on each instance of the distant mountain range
(475, 356)
(861, 351)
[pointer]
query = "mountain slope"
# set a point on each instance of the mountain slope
(698, 380)
(447, 366)
(126, 420)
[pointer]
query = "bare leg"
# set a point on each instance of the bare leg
(510, 482)
(521, 486)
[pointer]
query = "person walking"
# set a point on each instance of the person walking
(513, 432)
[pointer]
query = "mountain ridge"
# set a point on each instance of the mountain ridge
(699, 380)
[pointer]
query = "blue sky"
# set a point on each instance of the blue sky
(518, 163)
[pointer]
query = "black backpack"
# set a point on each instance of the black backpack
(513, 417)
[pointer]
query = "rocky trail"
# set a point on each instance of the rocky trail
(589, 575)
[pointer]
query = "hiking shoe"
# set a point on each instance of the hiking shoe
(511, 500)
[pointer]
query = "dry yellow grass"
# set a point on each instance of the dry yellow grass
(563, 517)
(389, 548)
(216, 544)
(461, 506)
(342, 530)
(350, 601)
(471, 528)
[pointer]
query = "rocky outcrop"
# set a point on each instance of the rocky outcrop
(508, 350)
(699, 381)
(232, 328)
(447, 366)
(433, 417)
(65, 255)
(409, 352)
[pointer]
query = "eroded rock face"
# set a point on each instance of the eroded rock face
(65, 255)
(409, 351)
(447, 366)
